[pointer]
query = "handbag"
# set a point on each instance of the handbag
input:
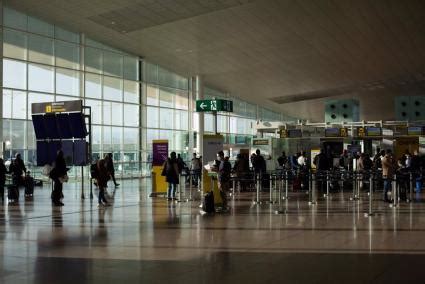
(46, 170)
(64, 178)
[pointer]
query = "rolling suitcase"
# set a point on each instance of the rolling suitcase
(208, 205)
(13, 193)
(29, 186)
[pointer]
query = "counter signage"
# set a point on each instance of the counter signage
(373, 131)
(415, 130)
(258, 142)
(295, 133)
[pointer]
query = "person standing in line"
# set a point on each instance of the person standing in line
(3, 171)
(57, 174)
(224, 171)
(110, 167)
(171, 173)
(195, 166)
(102, 177)
(388, 168)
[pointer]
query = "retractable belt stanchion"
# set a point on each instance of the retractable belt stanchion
(327, 184)
(280, 210)
(181, 188)
(410, 188)
(258, 183)
(313, 189)
(394, 192)
(271, 190)
(190, 187)
(370, 213)
(233, 187)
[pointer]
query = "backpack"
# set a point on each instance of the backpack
(94, 171)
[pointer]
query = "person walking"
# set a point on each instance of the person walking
(110, 167)
(58, 175)
(171, 173)
(224, 171)
(102, 177)
(3, 171)
(195, 167)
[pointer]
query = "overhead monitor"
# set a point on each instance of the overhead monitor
(78, 125)
(39, 127)
(64, 126)
(415, 130)
(52, 130)
(373, 131)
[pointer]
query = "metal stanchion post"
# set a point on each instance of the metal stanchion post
(190, 188)
(370, 213)
(271, 190)
(394, 192)
(257, 201)
(280, 188)
(286, 185)
(327, 184)
(410, 188)
(233, 187)
(313, 189)
(181, 188)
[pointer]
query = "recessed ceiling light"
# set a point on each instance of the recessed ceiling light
(112, 23)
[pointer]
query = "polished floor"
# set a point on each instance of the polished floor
(143, 240)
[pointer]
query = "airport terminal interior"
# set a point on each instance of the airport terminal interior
(212, 141)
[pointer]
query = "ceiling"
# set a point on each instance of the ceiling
(284, 54)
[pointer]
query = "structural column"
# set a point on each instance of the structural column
(199, 91)
(1, 80)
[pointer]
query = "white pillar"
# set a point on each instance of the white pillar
(199, 89)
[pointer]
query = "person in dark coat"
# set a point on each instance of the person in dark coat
(58, 172)
(171, 173)
(102, 178)
(110, 167)
(2, 178)
(17, 169)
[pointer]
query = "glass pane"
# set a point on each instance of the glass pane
(7, 103)
(40, 49)
(64, 98)
(38, 98)
(152, 95)
(131, 68)
(96, 137)
(152, 117)
(165, 98)
(67, 54)
(107, 115)
(116, 138)
(166, 118)
(151, 75)
(180, 120)
(67, 82)
(182, 101)
(14, 44)
(19, 105)
(107, 138)
(14, 19)
(96, 110)
(31, 140)
(131, 115)
(38, 26)
(112, 64)
(14, 74)
(18, 136)
(117, 113)
(208, 122)
(93, 60)
(112, 88)
(131, 92)
(66, 35)
(40, 78)
(93, 86)
(131, 140)
(151, 134)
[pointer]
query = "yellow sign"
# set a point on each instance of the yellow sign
(343, 132)
(49, 108)
(361, 132)
(283, 133)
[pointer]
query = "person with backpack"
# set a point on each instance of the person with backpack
(171, 172)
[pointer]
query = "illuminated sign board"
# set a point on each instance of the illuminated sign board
(295, 133)
(415, 130)
(336, 132)
(258, 142)
(373, 131)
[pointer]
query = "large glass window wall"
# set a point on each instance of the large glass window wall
(43, 62)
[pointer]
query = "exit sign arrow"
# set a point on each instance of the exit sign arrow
(202, 106)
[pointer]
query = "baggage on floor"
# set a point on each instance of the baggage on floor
(208, 205)
(29, 186)
(13, 192)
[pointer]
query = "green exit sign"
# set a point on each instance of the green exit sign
(214, 105)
